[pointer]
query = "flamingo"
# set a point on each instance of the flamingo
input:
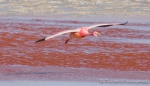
(81, 32)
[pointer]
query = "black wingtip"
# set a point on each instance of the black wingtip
(40, 40)
(124, 23)
(104, 26)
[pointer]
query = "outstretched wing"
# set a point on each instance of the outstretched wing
(106, 25)
(57, 34)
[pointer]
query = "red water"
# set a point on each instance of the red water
(120, 48)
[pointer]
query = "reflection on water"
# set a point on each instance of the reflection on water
(74, 7)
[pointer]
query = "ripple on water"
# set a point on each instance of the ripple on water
(117, 48)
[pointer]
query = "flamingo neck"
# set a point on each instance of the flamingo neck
(90, 34)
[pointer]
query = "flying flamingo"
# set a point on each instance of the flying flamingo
(80, 32)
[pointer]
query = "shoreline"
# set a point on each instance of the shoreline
(65, 83)
(20, 72)
(103, 18)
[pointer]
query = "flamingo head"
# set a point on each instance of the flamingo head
(95, 33)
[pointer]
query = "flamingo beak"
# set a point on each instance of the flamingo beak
(98, 34)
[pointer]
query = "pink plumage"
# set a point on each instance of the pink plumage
(80, 32)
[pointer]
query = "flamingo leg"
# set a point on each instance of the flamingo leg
(67, 40)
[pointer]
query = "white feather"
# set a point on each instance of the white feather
(101, 25)
(60, 33)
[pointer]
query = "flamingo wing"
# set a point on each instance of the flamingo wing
(106, 25)
(57, 34)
